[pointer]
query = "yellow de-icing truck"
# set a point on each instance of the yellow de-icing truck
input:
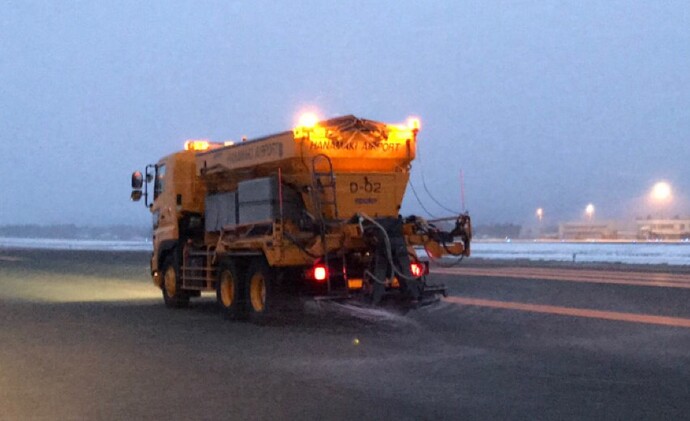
(311, 212)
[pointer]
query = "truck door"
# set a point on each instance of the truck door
(163, 209)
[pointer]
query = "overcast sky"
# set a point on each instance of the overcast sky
(541, 104)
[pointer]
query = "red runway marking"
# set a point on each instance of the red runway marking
(575, 312)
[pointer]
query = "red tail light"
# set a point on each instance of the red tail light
(320, 272)
(418, 269)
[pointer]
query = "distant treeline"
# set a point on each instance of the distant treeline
(71, 231)
(496, 231)
(130, 232)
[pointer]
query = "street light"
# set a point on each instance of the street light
(661, 192)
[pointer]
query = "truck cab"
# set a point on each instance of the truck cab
(175, 199)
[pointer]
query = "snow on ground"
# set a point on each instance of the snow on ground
(677, 253)
(71, 244)
(629, 253)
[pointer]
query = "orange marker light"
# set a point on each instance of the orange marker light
(413, 123)
(308, 120)
(196, 145)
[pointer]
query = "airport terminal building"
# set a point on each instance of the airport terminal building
(643, 229)
(663, 229)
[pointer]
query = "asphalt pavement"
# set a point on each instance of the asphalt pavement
(85, 335)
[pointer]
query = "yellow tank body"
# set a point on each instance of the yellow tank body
(370, 162)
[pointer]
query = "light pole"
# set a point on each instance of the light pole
(540, 217)
(589, 211)
(661, 194)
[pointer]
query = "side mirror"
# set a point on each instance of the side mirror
(137, 180)
(149, 177)
(136, 195)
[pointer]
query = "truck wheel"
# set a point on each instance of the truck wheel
(258, 291)
(228, 291)
(173, 294)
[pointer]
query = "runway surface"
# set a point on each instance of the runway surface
(84, 335)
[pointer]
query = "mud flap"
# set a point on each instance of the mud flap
(432, 295)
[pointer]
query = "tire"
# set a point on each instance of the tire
(229, 291)
(173, 294)
(258, 288)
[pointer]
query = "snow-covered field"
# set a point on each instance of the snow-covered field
(677, 253)
(70, 244)
(630, 253)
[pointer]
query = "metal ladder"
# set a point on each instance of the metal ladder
(195, 276)
(321, 200)
(319, 187)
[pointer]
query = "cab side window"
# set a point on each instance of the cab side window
(159, 181)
